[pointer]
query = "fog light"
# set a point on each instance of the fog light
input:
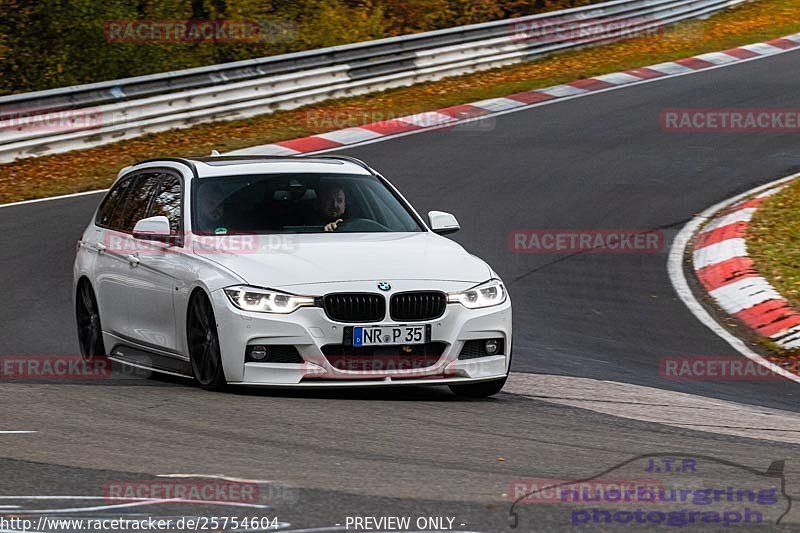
(258, 353)
(491, 346)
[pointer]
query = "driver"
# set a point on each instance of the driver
(329, 206)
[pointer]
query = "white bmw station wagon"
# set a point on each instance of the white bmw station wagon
(285, 271)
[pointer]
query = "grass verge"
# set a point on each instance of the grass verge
(96, 168)
(773, 242)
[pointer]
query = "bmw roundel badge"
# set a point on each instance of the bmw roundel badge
(384, 286)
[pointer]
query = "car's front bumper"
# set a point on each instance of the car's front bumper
(309, 329)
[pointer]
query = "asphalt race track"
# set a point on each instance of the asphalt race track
(600, 161)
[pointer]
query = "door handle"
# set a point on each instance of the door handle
(133, 259)
(95, 247)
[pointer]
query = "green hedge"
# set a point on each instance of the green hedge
(56, 43)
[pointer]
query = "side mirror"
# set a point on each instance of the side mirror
(152, 229)
(442, 223)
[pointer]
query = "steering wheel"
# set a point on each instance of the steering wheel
(355, 225)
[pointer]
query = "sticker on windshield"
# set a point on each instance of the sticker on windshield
(221, 231)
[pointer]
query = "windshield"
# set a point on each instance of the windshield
(297, 203)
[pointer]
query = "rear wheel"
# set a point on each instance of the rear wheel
(484, 389)
(204, 352)
(90, 332)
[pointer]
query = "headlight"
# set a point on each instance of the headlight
(484, 295)
(266, 301)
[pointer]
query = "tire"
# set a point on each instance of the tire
(203, 341)
(90, 331)
(484, 389)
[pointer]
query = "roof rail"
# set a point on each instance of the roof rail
(350, 159)
(243, 157)
(190, 162)
(180, 160)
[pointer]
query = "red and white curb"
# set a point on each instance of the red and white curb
(475, 110)
(698, 230)
(723, 267)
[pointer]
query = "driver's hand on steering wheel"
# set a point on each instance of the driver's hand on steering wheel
(331, 226)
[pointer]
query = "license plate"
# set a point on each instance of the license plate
(389, 335)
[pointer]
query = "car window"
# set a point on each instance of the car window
(133, 205)
(106, 211)
(383, 211)
(297, 203)
(167, 201)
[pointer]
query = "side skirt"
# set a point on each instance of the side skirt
(147, 360)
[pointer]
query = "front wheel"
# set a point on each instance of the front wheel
(90, 332)
(204, 352)
(484, 389)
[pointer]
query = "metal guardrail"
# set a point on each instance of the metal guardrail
(99, 113)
